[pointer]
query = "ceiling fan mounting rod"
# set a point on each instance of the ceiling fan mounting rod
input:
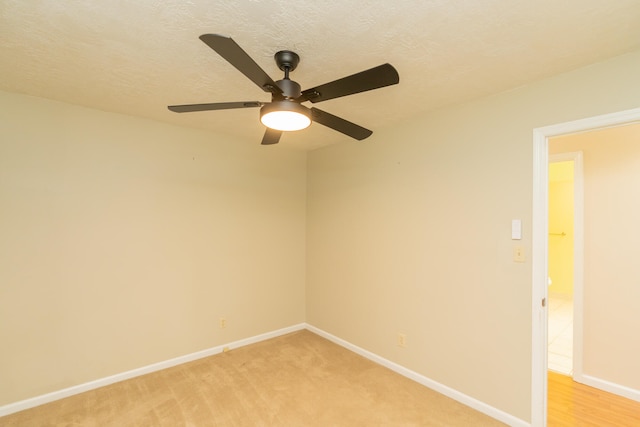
(288, 61)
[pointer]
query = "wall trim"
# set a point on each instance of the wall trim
(609, 387)
(539, 279)
(427, 382)
(91, 385)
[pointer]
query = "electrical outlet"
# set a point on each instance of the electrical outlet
(223, 323)
(402, 340)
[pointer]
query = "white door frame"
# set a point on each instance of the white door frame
(539, 251)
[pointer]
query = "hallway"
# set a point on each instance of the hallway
(561, 334)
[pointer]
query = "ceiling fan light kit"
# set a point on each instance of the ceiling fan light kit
(285, 112)
(285, 116)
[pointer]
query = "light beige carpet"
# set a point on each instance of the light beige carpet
(299, 379)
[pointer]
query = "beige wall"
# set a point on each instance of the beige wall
(122, 241)
(611, 268)
(409, 232)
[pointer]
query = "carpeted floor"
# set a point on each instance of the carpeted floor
(299, 379)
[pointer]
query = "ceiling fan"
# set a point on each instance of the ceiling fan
(285, 112)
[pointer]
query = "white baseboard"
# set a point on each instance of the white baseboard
(91, 385)
(427, 382)
(608, 386)
(440, 388)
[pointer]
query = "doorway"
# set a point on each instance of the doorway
(540, 238)
(562, 175)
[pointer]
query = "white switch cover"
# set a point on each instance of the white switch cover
(516, 229)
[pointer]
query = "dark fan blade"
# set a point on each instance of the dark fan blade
(377, 77)
(215, 106)
(271, 136)
(229, 50)
(339, 124)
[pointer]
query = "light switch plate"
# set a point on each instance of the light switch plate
(516, 229)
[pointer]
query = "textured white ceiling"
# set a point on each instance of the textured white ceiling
(137, 57)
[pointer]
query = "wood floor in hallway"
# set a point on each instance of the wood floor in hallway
(574, 404)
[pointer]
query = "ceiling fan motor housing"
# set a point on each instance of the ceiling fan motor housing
(290, 89)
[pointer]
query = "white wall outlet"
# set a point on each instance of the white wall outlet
(402, 340)
(223, 323)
